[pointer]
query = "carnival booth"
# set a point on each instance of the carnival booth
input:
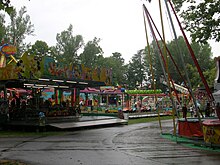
(190, 128)
(143, 100)
(211, 130)
(107, 99)
(211, 126)
(89, 99)
(112, 99)
(52, 88)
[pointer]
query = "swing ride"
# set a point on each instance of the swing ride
(207, 128)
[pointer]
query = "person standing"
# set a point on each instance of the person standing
(184, 110)
(207, 110)
(217, 110)
(139, 105)
(18, 101)
(191, 111)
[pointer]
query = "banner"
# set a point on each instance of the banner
(35, 67)
(211, 134)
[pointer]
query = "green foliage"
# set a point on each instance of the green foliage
(194, 76)
(137, 71)
(157, 66)
(6, 6)
(145, 120)
(203, 55)
(17, 30)
(116, 63)
(39, 47)
(2, 27)
(91, 54)
(201, 18)
(210, 75)
(67, 46)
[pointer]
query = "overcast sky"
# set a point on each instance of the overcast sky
(118, 23)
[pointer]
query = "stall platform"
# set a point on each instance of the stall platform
(190, 127)
(89, 123)
(71, 122)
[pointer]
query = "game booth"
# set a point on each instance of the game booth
(105, 99)
(143, 100)
(34, 88)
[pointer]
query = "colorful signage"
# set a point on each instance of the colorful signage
(35, 67)
(102, 88)
(211, 134)
(8, 49)
(211, 130)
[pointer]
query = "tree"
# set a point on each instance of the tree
(67, 46)
(91, 54)
(203, 55)
(136, 70)
(202, 52)
(2, 27)
(194, 76)
(41, 48)
(116, 63)
(210, 75)
(201, 18)
(5, 5)
(19, 27)
(156, 64)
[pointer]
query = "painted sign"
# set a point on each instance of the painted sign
(211, 134)
(47, 94)
(102, 88)
(34, 67)
(8, 49)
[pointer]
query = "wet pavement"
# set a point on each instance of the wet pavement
(125, 144)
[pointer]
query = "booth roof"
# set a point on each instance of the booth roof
(90, 90)
(79, 83)
(98, 91)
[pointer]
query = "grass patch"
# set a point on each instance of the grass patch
(149, 119)
(6, 134)
(11, 162)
